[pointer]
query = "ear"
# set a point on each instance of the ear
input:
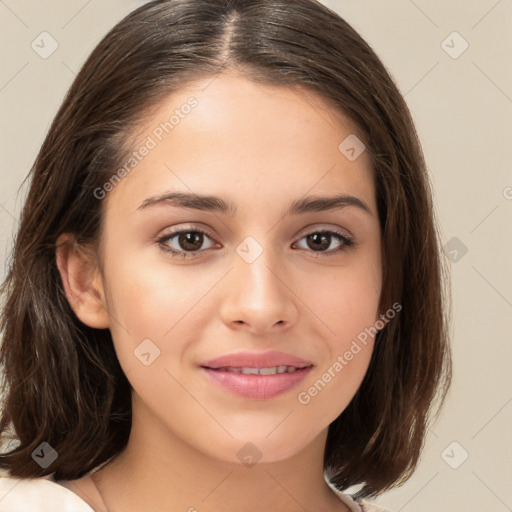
(82, 282)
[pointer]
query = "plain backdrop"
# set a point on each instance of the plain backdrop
(452, 62)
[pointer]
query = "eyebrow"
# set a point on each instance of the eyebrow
(218, 204)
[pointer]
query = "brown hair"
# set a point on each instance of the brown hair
(61, 377)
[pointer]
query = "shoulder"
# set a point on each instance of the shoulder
(360, 505)
(368, 506)
(38, 495)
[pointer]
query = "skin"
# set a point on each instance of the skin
(260, 147)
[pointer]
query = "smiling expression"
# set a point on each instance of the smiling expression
(244, 229)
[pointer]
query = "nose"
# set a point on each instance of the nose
(258, 295)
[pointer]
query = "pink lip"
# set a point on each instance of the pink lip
(256, 360)
(259, 387)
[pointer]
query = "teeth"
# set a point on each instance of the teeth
(268, 371)
(259, 371)
(250, 371)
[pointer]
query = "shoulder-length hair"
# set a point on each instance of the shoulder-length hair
(63, 384)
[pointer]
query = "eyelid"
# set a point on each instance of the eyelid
(186, 229)
(318, 227)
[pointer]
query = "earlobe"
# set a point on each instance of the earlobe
(82, 281)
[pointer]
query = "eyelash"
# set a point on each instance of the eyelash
(348, 242)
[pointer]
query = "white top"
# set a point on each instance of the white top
(45, 495)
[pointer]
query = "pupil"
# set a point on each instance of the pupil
(316, 238)
(187, 239)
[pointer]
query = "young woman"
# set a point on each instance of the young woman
(226, 292)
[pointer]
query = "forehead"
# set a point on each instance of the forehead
(229, 133)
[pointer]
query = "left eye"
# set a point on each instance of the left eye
(319, 239)
(191, 241)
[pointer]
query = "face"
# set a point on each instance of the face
(187, 280)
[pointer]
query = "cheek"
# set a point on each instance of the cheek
(147, 302)
(141, 292)
(333, 386)
(346, 307)
(347, 313)
(345, 301)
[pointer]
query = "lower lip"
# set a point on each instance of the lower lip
(259, 387)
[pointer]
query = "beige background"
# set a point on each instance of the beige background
(463, 110)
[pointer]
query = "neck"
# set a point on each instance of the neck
(159, 471)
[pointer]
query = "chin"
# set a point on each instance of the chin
(258, 449)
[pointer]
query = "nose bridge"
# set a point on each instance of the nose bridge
(256, 263)
(257, 294)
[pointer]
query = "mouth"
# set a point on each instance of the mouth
(256, 375)
(266, 361)
(248, 370)
(256, 383)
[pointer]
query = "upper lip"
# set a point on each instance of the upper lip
(256, 360)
